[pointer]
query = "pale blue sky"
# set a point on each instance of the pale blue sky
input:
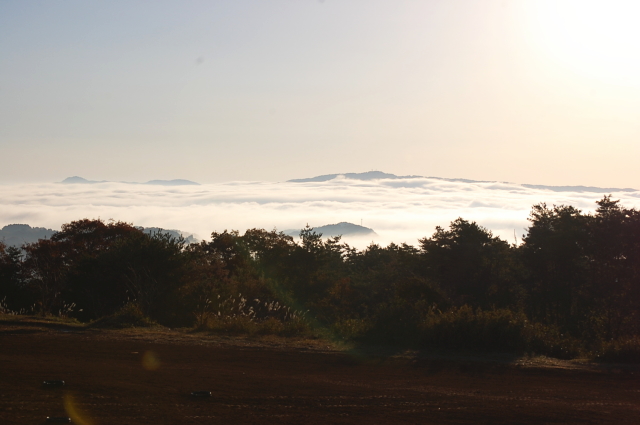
(272, 90)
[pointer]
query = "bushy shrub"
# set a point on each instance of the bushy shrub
(297, 327)
(237, 315)
(495, 330)
(243, 325)
(350, 329)
(129, 316)
(396, 322)
(236, 325)
(621, 351)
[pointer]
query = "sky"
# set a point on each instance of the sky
(539, 92)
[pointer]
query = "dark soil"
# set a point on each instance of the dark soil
(106, 382)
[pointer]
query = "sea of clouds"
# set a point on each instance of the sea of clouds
(399, 210)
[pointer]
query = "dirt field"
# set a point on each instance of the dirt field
(146, 377)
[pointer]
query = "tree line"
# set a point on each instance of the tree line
(572, 286)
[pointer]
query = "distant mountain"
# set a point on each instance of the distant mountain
(379, 175)
(80, 180)
(19, 234)
(340, 229)
(189, 238)
(369, 175)
(176, 182)
(376, 175)
(578, 188)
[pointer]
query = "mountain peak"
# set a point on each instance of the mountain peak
(76, 180)
(369, 175)
(340, 229)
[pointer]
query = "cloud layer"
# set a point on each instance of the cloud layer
(398, 210)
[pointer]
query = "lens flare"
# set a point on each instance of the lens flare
(150, 360)
(76, 415)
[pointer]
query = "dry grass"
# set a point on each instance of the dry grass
(129, 316)
(239, 316)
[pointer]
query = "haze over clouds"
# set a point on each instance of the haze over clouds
(399, 210)
(536, 91)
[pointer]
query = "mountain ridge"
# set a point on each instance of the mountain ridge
(379, 175)
(369, 175)
(19, 234)
(339, 229)
(174, 182)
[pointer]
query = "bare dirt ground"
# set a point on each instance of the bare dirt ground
(146, 377)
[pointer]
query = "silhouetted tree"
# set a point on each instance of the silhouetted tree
(49, 264)
(471, 265)
(12, 288)
(555, 254)
(614, 255)
(147, 270)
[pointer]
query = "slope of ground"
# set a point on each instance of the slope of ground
(146, 377)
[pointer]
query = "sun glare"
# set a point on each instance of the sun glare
(598, 39)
